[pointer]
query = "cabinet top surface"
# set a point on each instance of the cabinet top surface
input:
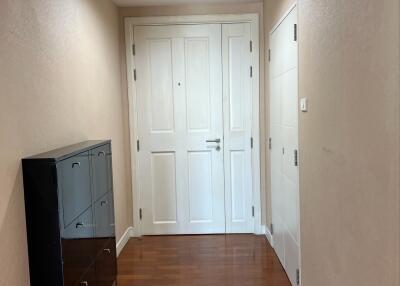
(67, 151)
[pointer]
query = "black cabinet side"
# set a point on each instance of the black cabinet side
(43, 231)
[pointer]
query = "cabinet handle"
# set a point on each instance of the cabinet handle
(103, 203)
(85, 283)
(79, 224)
(76, 164)
(107, 250)
(101, 153)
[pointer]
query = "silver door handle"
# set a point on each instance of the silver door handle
(214, 141)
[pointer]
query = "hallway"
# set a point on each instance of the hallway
(245, 260)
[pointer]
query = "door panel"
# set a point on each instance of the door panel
(237, 128)
(163, 176)
(284, 135)
(161, 85)
(197, 84)
(179, 96)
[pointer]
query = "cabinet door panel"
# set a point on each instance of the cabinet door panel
(74, 175)
(101, 171)
(104, 217)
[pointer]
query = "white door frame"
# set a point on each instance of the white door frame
(130, 24)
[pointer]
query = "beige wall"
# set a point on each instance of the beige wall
(60, 83)
(273, 12)
(204, 9)
(349, 140)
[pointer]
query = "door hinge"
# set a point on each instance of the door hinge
(270, 143)
(134, 49)
(272, 229)
(252, 211)
(251, 142)
(137, 145)
(269, 55)
(251, 46)
(296, 158)
(140, 214)
(134, 74)
(251, 71)
(295, 32)
(298, 276)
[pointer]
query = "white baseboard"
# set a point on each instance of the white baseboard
(269, 236)
(124, 239)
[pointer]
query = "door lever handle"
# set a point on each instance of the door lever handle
(214, 141)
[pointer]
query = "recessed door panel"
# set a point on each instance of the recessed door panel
(197, 84)
(163, 176)
(200, 187)
(161, 85)
(238, 186)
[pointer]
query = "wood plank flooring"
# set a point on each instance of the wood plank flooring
(203, 260)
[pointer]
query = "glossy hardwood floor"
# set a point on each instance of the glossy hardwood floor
(204, 260)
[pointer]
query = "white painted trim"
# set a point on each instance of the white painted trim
(283, 18)
(133, 128)
(124, 239)
(253, 19)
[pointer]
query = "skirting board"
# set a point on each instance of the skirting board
(124, 239)
(269, 236)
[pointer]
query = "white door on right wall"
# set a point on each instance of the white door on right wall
(284, 144)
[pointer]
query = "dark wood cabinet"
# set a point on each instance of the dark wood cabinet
(69, 207)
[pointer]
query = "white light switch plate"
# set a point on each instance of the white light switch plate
(303, 105)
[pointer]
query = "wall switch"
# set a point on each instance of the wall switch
(303, 105)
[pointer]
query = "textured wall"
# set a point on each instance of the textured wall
(349, 142)
(204, 9)
(60, 84)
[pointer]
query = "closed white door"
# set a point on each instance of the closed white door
(236, 53)
(284, 144)
(179, 89)
(181, 131)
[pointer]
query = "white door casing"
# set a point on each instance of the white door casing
(133, 96)
(284, 143)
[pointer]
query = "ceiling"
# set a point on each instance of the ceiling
(131, 3)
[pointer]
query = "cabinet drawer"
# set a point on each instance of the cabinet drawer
(74, 186)
(101, 171)
(89, 279)
(106, 265)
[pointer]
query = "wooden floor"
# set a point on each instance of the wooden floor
(205, 260)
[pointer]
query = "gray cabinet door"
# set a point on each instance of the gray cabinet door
(101, 171)
(74, 175)
(104, 217)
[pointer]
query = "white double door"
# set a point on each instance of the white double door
(194, 125)
(284, 145)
